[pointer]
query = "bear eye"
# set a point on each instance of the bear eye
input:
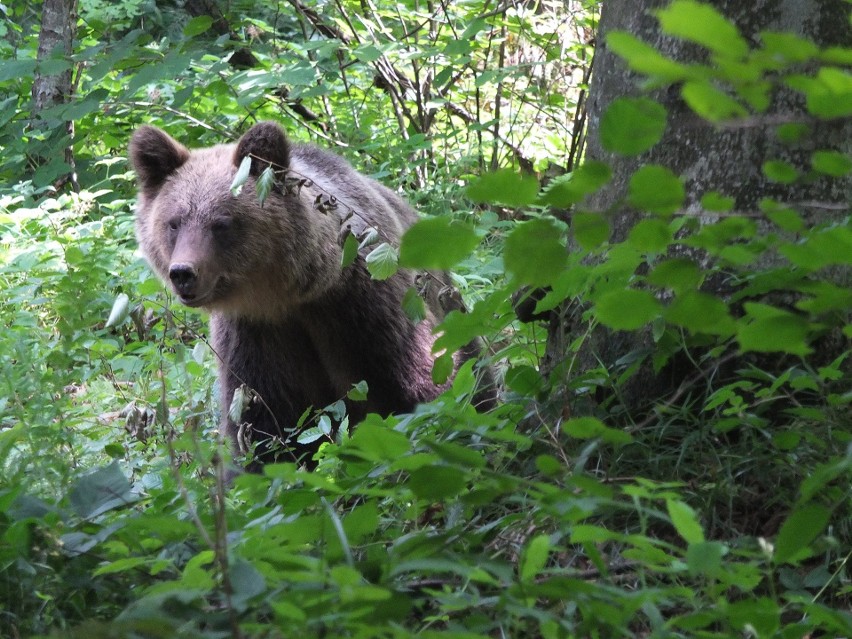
(222, 225)
(174, 223)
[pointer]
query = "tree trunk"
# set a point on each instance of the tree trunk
(55, 42)
(727, 159)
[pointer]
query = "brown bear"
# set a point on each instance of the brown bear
(287, 321)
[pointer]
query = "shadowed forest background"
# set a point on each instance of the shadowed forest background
(645, 206)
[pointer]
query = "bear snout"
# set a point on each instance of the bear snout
(184, 278)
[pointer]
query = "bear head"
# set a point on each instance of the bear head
(229, 252)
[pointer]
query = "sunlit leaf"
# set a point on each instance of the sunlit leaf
(437, 243)
(631, 126)
(382, 261)
(504, 186)
(627, 309)
(703, 24)
(534, 252)
(656, 189)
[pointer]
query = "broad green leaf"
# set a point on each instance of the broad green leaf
(350, 250)
(703, 24)
(715, 201)
(656, 189)
(631, 126)
(798, 531)
(367, 53)
(788, 46)
(379, 442)
(534, 558)
(100, 490)
(705, 558)
(767, 329)
(534, 253)
(413, 305)
(645, 59)
(382, 261)
(358, 392)
(506, 187)
(436, 243)
(650, 236)
(685, 521)
(120, 310)
(677, 274)
(782, 172)
(590, 230)
(437, 482)
(571, 188)
(246, 582)
(757, 616)
(197, 26)
(523, 379)
(592, 428)
(828, 95)
(833, 163)
(443, 368)
(627, 309)
(242, 176)
(701, 313)
(711, 103)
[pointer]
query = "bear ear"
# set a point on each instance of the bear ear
(155, 155)
(267, 145)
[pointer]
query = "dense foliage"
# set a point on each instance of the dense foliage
(721, 509)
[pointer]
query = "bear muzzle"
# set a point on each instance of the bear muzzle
(184, 279)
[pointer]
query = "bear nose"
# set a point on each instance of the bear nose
(183, 277)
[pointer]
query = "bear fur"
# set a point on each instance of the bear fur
(286, 320)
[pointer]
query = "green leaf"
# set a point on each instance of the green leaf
(534, 558)
(758, 617)
(701, 23)
(645, 59)
(828, 95)
(569, 189)
(677, 274)
(711, 103)
(592, 428)
(197, 26)
(358, 392)
(534, 253)
(437, 482)
(705, 558)
(378, 442)
(443, 368)
(413, 305)
(241, 177)
(264, 184)
(788, 47)
(701, 313)
(523, 379)
(650, 236)
(798, 531)
(100, 490)
(656, 189)
(778, 171)
(120, 310)
(506, 187)
(590, 229)
(715, 201)
(631, 126)
(831, 163)
(350, 250)
(685, 521)
(436, 243)
(767, 329)
(627, 309)
(382, 261)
